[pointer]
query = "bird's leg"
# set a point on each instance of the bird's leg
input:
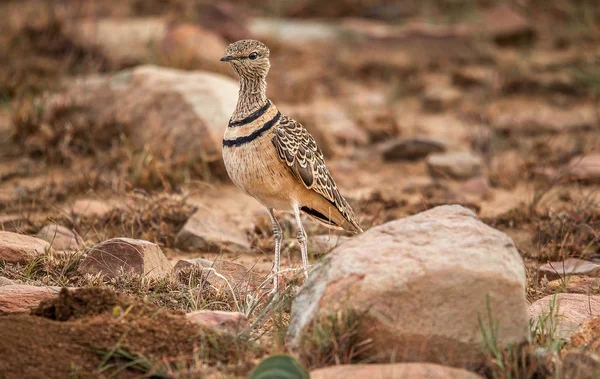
(302, 241)
(278, 235)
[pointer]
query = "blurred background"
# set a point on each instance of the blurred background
(111, 122)
(492, 104)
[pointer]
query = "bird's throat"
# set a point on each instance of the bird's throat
(252, 96)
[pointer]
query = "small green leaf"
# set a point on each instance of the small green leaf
(279, 367)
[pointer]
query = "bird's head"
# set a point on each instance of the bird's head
(249, 58)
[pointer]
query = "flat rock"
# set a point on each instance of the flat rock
(458, 165)
(233, 322)
(19, 248)
(410, 148)
(90, 208)
(420, 284)
(211, 231)
(20, 298)
(233, 274)
(570, 311)
(576, 284)
(59, 237)
(392, 371)
(118, 255)
(585, 168)
(570, 266)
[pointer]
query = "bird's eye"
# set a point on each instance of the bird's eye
(253, 55)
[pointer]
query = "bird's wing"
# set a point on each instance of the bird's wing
(299, 150)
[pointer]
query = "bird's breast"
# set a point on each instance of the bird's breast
(252, 162)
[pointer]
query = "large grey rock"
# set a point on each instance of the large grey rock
(118, 255)
(420, 285)
(392, 371)
(19, 248)
(186, 111)
(178, 116)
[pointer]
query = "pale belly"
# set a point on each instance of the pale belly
(256, 169)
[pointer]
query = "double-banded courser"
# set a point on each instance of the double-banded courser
(274, 159)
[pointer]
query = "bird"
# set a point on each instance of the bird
(274, 159)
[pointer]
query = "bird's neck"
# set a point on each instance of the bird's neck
(252, 96)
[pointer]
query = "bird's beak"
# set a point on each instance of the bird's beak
(227, 58)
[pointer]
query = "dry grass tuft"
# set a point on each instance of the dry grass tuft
(63, 129)
(39, 54)
(152, 217)
(569, 234)
(333, 340)
(67, 128)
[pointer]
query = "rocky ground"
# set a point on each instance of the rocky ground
(466, 135)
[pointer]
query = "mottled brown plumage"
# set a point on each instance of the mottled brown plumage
(298, 149)
(273, 158)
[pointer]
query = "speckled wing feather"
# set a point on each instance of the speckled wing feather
(299, 150)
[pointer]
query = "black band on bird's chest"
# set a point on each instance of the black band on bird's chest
(252, 117)
(254, 135)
